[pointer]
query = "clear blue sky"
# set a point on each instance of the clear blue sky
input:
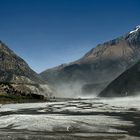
(47, 33)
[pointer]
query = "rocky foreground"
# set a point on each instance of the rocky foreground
(81, 119)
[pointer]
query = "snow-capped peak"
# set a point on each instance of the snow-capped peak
(135, 30)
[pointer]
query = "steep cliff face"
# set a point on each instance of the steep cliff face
(127, 84)
(99, 66)
(15, 72)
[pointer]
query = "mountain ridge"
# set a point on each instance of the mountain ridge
(9, 61)
(101, 64)
(17, 79)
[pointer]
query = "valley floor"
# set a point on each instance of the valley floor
(81, 119)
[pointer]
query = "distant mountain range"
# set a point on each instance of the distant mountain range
(111, 69)
(97, 68)
(17, 78)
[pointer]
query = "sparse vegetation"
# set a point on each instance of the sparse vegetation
(4, 99)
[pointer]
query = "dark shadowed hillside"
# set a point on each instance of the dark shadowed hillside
(127, 84)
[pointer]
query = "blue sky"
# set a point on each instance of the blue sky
(47, 33)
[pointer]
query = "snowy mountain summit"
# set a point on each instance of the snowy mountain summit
(135, 30)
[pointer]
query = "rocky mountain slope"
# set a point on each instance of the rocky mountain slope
(127, 84)
(17, 77)
(14, 69)
(93, 72)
